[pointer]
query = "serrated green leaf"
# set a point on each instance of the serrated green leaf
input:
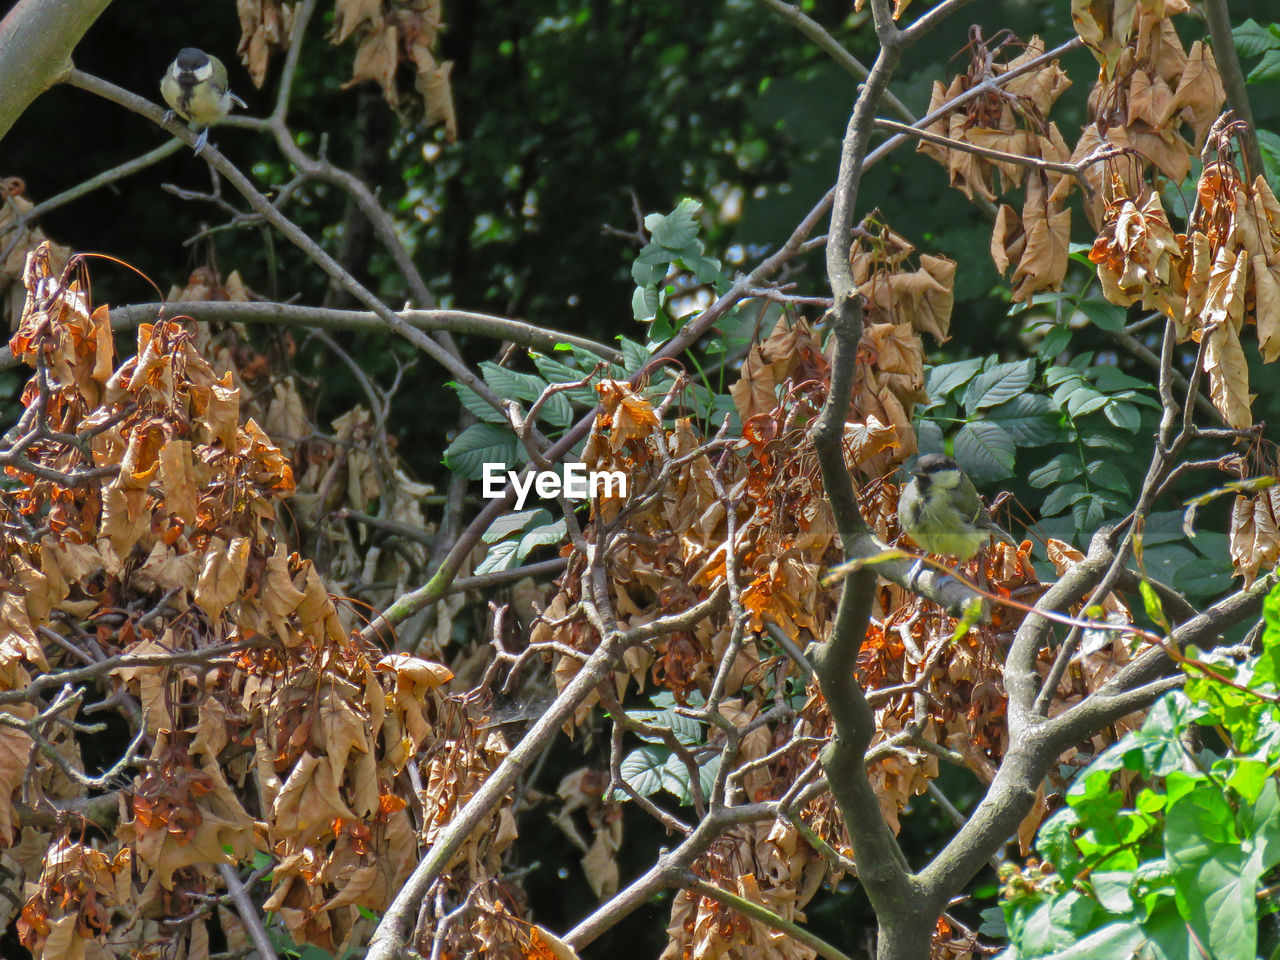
(1085, 401)
(556, 372)
(985, 450)
(998, 384)
(1111, 380)
(1123, 415)
(483, 443)
(544, 536)
(929, 437)
(687, 730)
(512, 523)
(645, 302)
(634, 355)
(677, 229)
(1214, 877)
(1107, 441)
(1252, 38)
(1059, 374)
(1057, 339)
(1105, 474)
(1031, 419)
(942, 379)
(1062, 497)
(1065, 466)
(1269, 144)
(476, 405)
(500, 556)
(642, 769)
(1267, 70)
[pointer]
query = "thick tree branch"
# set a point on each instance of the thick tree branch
(36, 40)
(1224, 52)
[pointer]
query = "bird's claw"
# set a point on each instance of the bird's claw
(167, 118)
(202, 140)
(914, 574)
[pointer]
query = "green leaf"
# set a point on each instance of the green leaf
(1123, 415)
(645, 303)
(1267, 70)
(544, 536)
(676, 778)
(1269, 144)
(1002, 382)
(687, 730)
(1031, 419)
(1065, 466)
(634, 355)
(557, 411)
(1056, 375)
(929, 437)
(1151, 603)
(483, 443)
(1104, 315)
(1054, 342)
(556, 372)
(501, 556)
(677, 229)
(1107, 441)
(1085, 401)
(511, 523)
(1062, 497)
(476, 405)
(985, 450)
(940, 380)
(1252, 38)
(1105, 474)
(642, 770)
(1213, 876)
(1111, 380)
(1112, 890)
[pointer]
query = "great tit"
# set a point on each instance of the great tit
(940, 510)
(195, 87)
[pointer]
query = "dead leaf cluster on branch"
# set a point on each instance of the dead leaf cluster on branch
(141, 558)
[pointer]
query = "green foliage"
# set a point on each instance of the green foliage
(674, 243)
(656, 767)
(1168, 836)
(1004, 408)
(1253, 39)
(513, 536)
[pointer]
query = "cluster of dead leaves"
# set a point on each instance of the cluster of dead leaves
(1212, 281)
(388, 34)
(1013, 119)
(767, 864)
(271, 728)
(783, 380)
(1149, 87)
(353, 467)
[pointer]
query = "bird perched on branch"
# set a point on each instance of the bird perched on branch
(940, 510)
(195, 87)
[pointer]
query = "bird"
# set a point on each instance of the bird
(195, 87)
(940, 510)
